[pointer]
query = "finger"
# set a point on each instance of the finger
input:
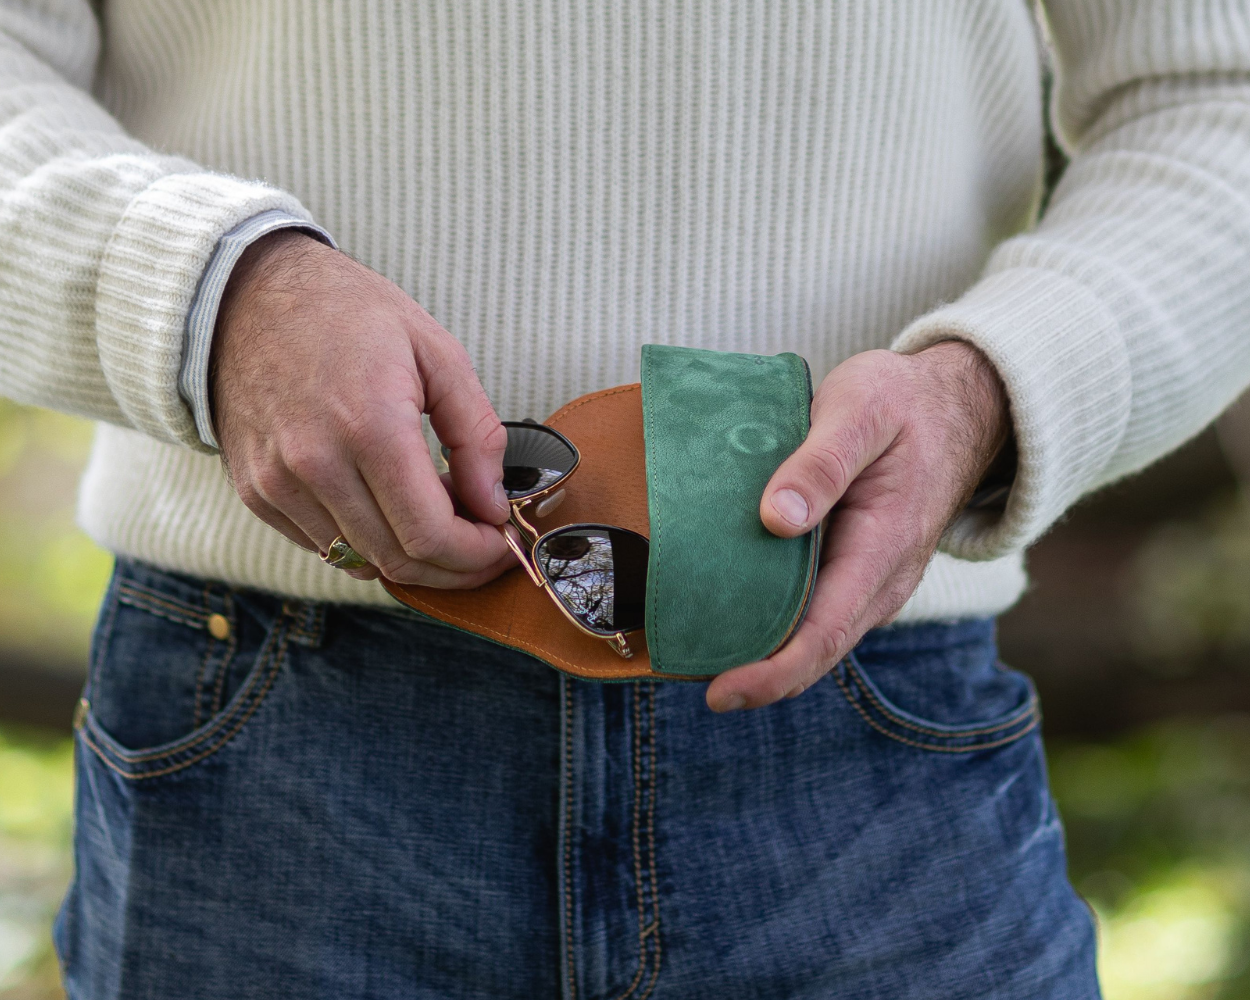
(862, 554)
(466, 423)
(282, 524)
(403, 487)
(849, 431)
(302, 518)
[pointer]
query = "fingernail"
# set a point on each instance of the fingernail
(732, 704)
(501, 497)
(791, 506)
(795, 692)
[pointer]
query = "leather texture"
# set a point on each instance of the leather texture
(609, 487)
(721, 590)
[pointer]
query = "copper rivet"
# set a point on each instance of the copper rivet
(218, 626)
(80, 712)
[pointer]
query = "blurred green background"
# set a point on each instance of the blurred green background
(1137, 630)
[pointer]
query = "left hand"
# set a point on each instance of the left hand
(898, 443)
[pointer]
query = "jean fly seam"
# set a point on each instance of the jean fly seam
(255, 703)
(652, 930)
(970, 748)
(268, 662)
(636, 841)
(1029, 710)
(163, 607)
(566, 808)
(647, 954)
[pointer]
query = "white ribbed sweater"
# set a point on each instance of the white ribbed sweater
(561, 181)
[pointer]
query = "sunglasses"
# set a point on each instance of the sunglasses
(595, 573)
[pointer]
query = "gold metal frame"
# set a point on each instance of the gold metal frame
(542, 500)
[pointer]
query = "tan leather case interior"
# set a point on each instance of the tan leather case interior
(609, 487)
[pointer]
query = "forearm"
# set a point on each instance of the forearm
(1118, 324)
(102, 241)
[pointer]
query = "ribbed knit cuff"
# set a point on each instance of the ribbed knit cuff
(1063, 361)
(148, 279)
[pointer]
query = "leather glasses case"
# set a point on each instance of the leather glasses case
(682, 458)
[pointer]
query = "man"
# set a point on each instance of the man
(290, 787)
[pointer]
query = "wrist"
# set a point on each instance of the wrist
(259, 264)
(974, 399)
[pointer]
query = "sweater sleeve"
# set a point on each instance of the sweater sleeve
(1121, 323)
(102, 240)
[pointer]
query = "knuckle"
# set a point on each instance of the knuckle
(896, 595)
(398, 567)
(270, 483)
(834, 644)
(250, 495)
(828, 470)
(309, 462)
(419, 542)
(493, 434)
(364, 433)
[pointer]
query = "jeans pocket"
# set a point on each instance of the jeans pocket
(947, 697)
(178, 668)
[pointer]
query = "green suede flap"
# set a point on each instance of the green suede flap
(721, 590)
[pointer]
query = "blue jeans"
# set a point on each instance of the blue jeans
(335, 802)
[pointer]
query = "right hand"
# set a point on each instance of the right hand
(320, 372)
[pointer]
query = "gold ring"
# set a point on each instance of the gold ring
(340, 555)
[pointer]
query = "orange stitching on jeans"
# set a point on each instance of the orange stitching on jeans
(652, 929)
(256, 703)
(199, 674)
(174, 610)
(637, 835)
(654, 926)
(1019, 717)
(973, 748)
(226, 659)
(567, 805)
(196, 739)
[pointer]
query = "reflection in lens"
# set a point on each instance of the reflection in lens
(536, 457)
(599, 573)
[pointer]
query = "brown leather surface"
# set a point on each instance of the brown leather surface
(609, 487)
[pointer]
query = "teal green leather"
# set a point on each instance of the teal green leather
(721, 590)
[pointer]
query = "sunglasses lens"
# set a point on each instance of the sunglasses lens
(599, 574)
(535, 459)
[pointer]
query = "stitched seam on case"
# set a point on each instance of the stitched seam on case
(256, 703)
(567, 806)
(141, 597)
(1024, 713)
(652, 619)
(565, 410)
(972, 748)
(276, 638)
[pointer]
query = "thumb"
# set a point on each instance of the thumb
(845, 438)
(466, 423)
